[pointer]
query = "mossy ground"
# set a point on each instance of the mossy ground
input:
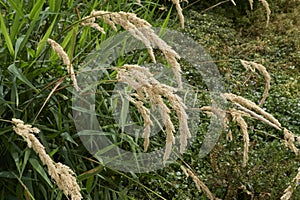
(271, 165)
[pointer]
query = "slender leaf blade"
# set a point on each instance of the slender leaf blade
(36, 165)
(17, 6)
(17, 73)
(36, 10)
(44, 39)
(6, 36)
(18, 44)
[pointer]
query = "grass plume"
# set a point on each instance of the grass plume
(66, 60)
(147, 121)
(62, 174)
(179, 11)
(251, 4)
(257, 116)
(237, 117)
(141, 30)
(250, 105)
(147, 87)
(252, 66)
(288, 192)
(199, 184)
(268, 10)
(90, 21)
(289, 139)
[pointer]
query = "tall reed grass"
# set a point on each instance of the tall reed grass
(150, 90)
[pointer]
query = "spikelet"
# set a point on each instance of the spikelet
(267, 7)
(237, 117)
(143, 81)
(289, 190)
(289, 139)
(170, 55)
(179, 11)
(252, 66)
(244, 104)
(250, 105)
(147, 121)
(90, 21)
(157, 100)
(199, 184)
(256, 116)
(210, 110)
(229, 136)
(62, 174)
(66, 60)
(251, 4)
(179, 107)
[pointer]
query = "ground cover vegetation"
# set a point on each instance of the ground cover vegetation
(255, 46)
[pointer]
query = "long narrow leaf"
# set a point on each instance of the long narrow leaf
(29, 33)
(7, 174)
(17, 45)
(17, 73)
(6, 36)
(52, 4)
(46, 36)
(17, 6)
(25, 160)
(38, 168)
(55, 5)
(36, 10)
(92, 172)
(18, 22)
(124, 113)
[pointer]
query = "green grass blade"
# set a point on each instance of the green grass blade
(124, 113)
(36, 165)
(89, 184)
(71, 49)
(6, 36)
(55, 5)
(16, 157)
(14, 95)
(36, 10)
(17, 45)
(68, 138)
(17, 6)
(25, 160)
(52, 4)
(15, 29)
(166, 21)
(88, 174)
(17, 73)
(67, 39)
(7, 174)
(24, 189)
(44, 39)
(70, 3)
(29, 33)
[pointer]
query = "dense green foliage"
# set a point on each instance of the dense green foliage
(30, 69)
